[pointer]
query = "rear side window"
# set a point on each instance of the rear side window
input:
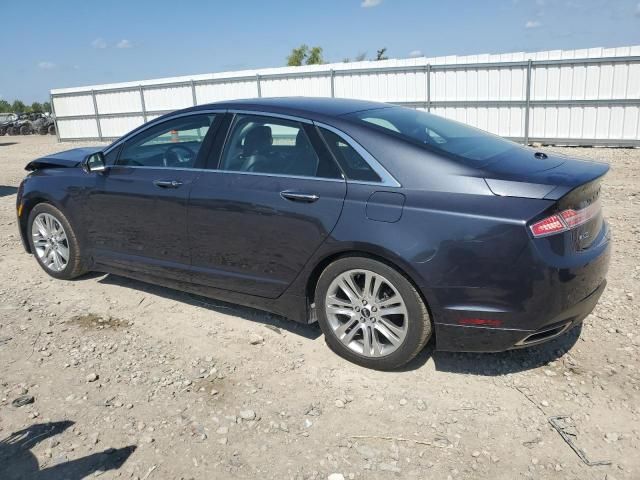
(436, 133)
(354, 166)
(262, 144)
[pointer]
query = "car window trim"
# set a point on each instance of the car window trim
(386, 179)
(257, 113)
(157, 121)
(205, 144)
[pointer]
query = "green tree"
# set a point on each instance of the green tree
(5, 107)
(297, 56)
(381, 54)
(18, 106)
(36, 107)
(315, 56)
(46, 107)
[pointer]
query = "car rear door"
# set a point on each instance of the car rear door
(138, 207)
(271, 200)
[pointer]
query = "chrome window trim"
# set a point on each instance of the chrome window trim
(387, 180)
(271, 114)
(157, 121)
(227, 172)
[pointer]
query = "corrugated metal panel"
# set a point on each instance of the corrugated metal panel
(78, 128)
(168, 98)
(74, 105)
(119, 102)
(599, 100)
(118, 126)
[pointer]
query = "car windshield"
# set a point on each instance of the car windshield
(436, 133)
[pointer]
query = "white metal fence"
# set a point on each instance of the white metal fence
(570, 97)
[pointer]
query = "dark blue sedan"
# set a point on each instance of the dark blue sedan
(386, 225)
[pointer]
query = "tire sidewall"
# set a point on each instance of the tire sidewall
(73, 267)
(415, 337)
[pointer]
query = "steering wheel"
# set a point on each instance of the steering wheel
(172, 156)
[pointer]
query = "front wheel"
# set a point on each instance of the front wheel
(25, 130)
(371, 314)
(54, 243)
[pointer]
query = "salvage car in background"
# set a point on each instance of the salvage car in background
(385, 224)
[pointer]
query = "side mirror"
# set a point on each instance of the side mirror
(94, 163)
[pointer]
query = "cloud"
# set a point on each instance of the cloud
(99, 43)
(415, 53)
(124, 43)
(46, 65)
(532, 24)
(370, 3)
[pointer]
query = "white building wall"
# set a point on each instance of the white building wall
(582, 102)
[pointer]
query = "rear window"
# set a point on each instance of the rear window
(436, 133)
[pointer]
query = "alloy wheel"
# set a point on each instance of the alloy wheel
(366, 313)
(50, 242)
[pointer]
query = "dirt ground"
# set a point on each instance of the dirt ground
(131, 380)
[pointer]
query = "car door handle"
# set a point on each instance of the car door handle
(299, 197)
(167, 183)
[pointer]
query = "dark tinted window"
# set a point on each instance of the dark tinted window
(355, 167)
(262, 144)
(174, 143)
(437, 133)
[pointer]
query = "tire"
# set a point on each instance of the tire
(75, 265)
(52, 129)
(25, 130)
(12, 131)
(412, 327)
(2, 131)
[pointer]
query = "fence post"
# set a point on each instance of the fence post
(95, 110)
(428, 73)
(55, 118)
(527, 102)
(258, 85)
(333, 87)
(144, 108)
(193, 93)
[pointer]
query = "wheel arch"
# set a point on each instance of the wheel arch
(28, 204)
(383, 257)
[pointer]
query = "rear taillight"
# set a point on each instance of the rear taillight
(564, 220)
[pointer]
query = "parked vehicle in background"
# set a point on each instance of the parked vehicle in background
(387, 225)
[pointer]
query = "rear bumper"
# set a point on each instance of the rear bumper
(465, 338)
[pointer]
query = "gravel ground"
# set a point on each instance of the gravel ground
(129, 380)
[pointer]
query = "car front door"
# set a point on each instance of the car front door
(138, 206)
(256, 219)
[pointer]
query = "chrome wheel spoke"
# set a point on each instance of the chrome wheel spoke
(63, 252)
(393, 334)
(50, 242)
(399, 310)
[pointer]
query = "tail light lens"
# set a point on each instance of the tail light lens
(564, 220)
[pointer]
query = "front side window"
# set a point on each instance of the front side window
(174, 143)
(436, 133)
(262, 144)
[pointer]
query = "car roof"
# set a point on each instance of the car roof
(309, 107)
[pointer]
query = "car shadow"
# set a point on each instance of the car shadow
(18, 462)
(269, 320)
(5, 190)
(6, 144)
(496, 364)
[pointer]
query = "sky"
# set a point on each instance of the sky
(67, 43)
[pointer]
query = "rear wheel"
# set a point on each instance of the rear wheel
(52, 129)
(2, 131)
(12, 131)
(54, 243)
(371, 314)
(25, 130)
